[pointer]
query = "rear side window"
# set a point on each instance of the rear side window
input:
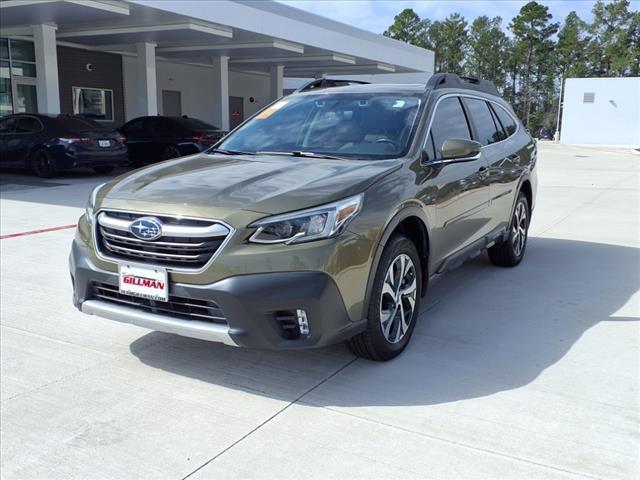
(28, 125)
(507, 120)
(78, 124)
(8, 125)
(486, 129)
(193, 124)
(449, 121)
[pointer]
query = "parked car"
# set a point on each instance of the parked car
(545, 134)
(47, 144)
(151, 139)
(321, 219)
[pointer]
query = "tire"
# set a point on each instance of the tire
(386, 336)
(510, 252)
(43, 164)
(171, 152)
(103, 170)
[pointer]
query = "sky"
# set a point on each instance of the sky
(377, 15)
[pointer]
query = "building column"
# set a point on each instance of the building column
(276, 86)
(47, 87)
(221, 91)
(146, 70)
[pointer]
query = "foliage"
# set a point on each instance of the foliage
(528, 61)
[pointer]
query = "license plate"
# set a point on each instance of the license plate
(144, 282)
(104, 143)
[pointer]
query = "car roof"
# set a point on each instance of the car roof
(399, 88)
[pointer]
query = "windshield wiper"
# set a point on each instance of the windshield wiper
(299, 153)
(229, 152)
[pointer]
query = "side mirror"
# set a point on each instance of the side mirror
(457, 149)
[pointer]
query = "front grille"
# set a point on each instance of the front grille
(178, 307)
(184, 244)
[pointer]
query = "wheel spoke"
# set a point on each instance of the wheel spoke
(401, 324)
(388, 290)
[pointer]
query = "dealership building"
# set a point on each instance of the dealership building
(219, 61)
(603, 111)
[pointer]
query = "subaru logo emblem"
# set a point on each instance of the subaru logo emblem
(146, 228)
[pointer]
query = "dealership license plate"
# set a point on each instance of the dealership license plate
(104, 143)
(144, 282)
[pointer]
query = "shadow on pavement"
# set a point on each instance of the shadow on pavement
(482, 330)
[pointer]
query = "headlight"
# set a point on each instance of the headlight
(88, 210)
(306, 225)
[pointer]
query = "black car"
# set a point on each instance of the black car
(151, 139)
(47, 144)
(545, 134)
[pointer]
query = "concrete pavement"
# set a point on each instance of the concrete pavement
(531, 372)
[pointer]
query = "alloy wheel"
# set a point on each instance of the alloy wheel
(398, 298)
(170, 152)
(519, 229)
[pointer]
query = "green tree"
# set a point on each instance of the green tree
(532, 31)
(408, 27)
(448, 39)
(610, 48)
(487, 51)
(571, 47)
(634, 45)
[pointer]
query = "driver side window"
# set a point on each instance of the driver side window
(449, 121)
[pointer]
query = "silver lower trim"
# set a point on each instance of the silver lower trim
(187, 328)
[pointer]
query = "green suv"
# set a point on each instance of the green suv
(321, 219)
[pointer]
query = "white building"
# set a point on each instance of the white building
(602, 111)
(219, 61)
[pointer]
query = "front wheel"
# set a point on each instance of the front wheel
(394, 305)
(171, 152)
(43, 164)
(510, 252)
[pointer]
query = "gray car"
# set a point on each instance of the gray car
(320, 219)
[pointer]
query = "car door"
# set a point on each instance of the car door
(7, 140)
(456, 190)
(133, 131)
(24, 136)
(512, 156)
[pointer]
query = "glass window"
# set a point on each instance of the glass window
(357, 125)
(482, 119)
(195, 124)
(22, 50)
(449, 121)
(77, 123)
(26, 99)
(8, 125)
(506, 119)
(28, 125)
(134, 128)
(22, 69)
(502, 134)
(95, 103)
(4, 48)
(6, 97)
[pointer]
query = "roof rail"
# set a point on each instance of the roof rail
(328, 83)
(451, 80)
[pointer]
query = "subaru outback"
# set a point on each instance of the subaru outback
(320, 219)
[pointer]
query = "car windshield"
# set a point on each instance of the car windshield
(350, 125)
(77, 123)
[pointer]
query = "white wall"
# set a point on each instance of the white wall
(613, 118)
(193, 82)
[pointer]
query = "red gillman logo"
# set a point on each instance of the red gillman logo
(143, 282)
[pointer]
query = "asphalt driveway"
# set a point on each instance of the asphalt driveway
(531, 372)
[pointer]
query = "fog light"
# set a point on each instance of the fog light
(303, 324)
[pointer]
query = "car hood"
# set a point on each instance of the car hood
(265, 184)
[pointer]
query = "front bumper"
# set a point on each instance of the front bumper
(250, 304)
